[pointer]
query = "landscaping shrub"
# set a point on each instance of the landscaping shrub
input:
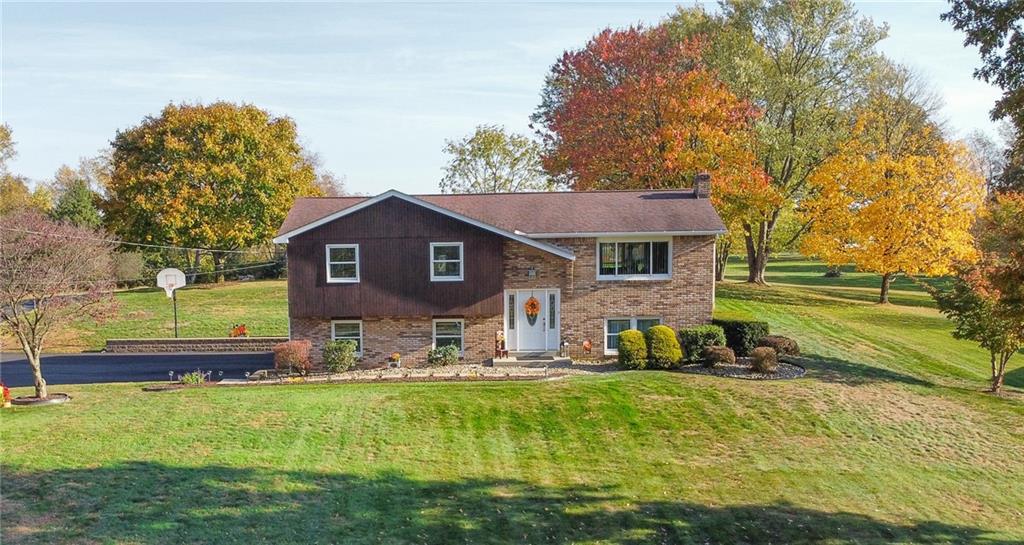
(764, 360)
(663, 348)
(694, 339)
(632, 349)
(742, 335)
(293, 356)
(445, 355)
(339, 356)
(784, 346)
(714, 355)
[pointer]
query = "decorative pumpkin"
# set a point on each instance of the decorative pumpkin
(532, 308)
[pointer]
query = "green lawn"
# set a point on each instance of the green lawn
(204, 310)
(888, 439)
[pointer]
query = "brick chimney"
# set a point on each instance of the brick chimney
(702, 185)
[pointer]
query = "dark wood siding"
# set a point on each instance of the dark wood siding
(394, 239)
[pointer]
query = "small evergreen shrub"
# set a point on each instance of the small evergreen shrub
(742, 335)
(764, 360)
(784, 346)
(694, 339)
(663, 348)
(339, 356)
(293, 356)
(632, 349)
(714, 355)
(444, 355)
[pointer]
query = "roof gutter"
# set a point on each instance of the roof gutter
(703, 233)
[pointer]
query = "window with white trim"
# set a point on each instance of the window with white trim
(614, 326)
(634, 259)
(342, 262)
(445, 261)
(448, 331)
(348, 330)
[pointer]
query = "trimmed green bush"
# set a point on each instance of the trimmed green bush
(742, 335)
(445, 355)
(764, 360)
(663, 348)
(694, 339)
(339, 356)
(784, 346)
(632, 349)
(714, 355)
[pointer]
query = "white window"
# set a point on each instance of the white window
(445, 261)
(634, 259)
(614, 326)
(448, 331)
(343, 263)
(348, 330)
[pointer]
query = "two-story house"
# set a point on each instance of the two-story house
(403, 273)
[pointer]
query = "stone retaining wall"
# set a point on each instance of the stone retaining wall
(239, 344)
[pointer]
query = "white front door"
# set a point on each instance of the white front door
(532, 320)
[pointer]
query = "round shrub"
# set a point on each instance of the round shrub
(443, 355)
(632, 349)
(784, 346)
(742, 335)
(339, 356)
(694, 339)
(714, 355)
(293, 356)
(764, 360)
(663, 348)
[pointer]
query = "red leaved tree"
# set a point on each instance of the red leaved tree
(638, 109)
(50, 275)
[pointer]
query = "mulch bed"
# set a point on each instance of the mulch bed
(32, 401)
(741, 370)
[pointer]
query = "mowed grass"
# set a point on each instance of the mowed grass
(888, 439)
(204, 310)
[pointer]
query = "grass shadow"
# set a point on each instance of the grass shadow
(840, 371)
(152, 503)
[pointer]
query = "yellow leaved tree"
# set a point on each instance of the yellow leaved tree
(897, 199)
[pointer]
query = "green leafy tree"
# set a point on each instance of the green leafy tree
(493, 160)
(996, 27)
(75, 201)
(219, 176)
(802, 63)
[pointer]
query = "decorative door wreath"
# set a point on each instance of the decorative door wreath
(532, 308)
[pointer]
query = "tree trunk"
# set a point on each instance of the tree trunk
(37, 373)
(999, 373)
(883, 297)
(218, 276)
(721, 260)
(757, 249)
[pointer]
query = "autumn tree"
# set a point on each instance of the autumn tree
(493, 160)
(986, 298)
(212, 176)
(802, 63)
(51, 274)
(996, 27)
(897, 198)
(638, 109)
(15, 194)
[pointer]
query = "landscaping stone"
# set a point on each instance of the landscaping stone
(741, 369)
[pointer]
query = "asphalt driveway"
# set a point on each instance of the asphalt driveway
(89, 368)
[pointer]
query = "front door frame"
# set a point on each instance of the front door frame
(551, 340)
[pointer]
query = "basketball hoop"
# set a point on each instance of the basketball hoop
(170, 280)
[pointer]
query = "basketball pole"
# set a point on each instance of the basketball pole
(174, 297)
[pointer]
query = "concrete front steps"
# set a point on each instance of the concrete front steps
(532, 359)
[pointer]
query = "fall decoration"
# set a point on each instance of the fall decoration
(532, 307)
(6, 394)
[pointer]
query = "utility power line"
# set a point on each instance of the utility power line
(141, 244)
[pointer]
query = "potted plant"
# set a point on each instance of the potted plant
(394, 360)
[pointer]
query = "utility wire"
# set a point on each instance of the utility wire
(144, 245)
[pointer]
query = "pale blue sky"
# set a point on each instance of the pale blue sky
(374, 88)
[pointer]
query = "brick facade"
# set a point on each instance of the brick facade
(685, 299)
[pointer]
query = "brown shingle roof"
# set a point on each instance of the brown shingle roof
(585, 212)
